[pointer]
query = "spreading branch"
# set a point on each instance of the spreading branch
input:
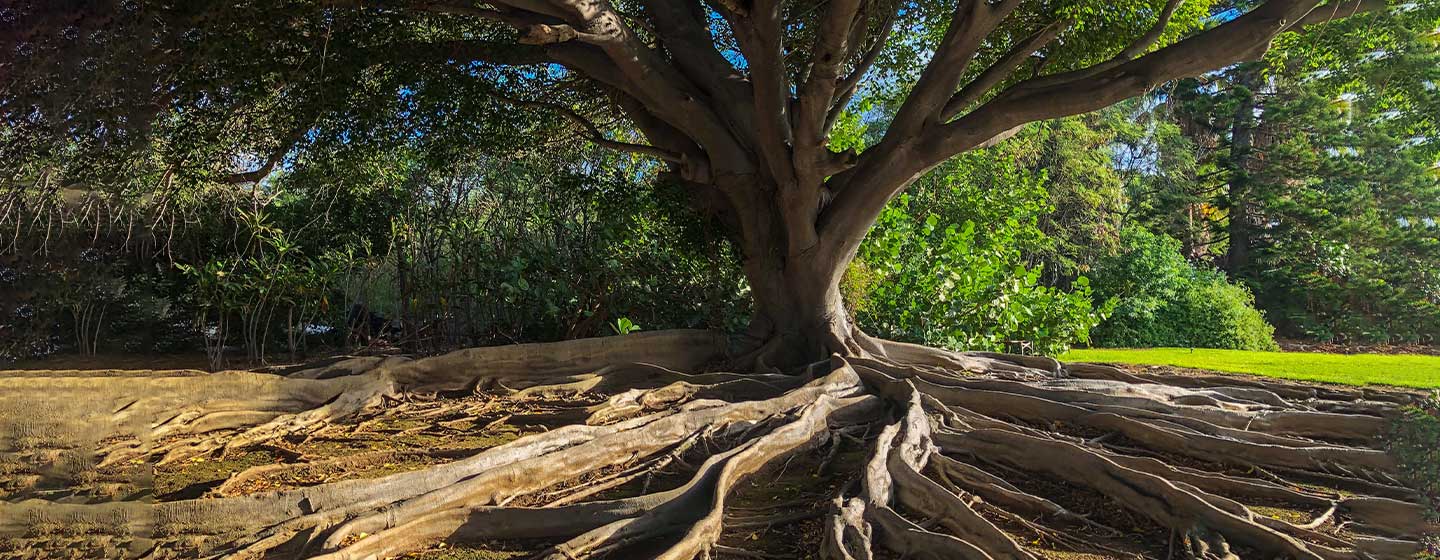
(818, 91)
(881, 174)
(1001, 69)
(847, 88)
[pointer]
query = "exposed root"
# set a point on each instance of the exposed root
(623, 453)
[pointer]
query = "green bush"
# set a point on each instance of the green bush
(944, 285)
(1163, 300)
(963, 260)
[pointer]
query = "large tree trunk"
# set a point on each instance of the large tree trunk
(799, 316)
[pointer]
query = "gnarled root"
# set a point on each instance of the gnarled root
(628, 455)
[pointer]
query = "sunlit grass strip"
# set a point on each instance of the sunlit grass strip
(1404, 370)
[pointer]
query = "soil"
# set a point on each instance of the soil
(779, 511)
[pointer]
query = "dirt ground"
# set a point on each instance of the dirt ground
(774, 514)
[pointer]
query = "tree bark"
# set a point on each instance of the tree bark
(799, 316)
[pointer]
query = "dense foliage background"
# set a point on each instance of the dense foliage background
(1294, 196)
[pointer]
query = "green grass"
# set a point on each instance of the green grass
(1351, 369)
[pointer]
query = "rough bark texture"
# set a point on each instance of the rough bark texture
(927, 454)
(799, 314)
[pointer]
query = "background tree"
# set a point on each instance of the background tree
(1313, 185)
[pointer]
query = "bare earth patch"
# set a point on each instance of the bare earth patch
(609, 448)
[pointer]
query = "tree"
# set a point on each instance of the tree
(1315, 189)
(733, 100)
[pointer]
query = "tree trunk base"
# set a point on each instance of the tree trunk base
(896, 451)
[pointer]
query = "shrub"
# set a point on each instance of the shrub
(1161, 299)
(922, 281)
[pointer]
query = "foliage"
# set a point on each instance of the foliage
(1163, 300)
(1314, 176)
(624, 325)
(435, 247)
(944, 265)
(1405, 370)
(84, 292)
(269, 281)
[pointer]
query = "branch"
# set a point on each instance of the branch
(273, 159)
(694, 166)
(683, 32)
(518, 20)
(685, 35)
(1338, 10)
(818, 91)
(1243, 38)
(1150, 37)
(971, 23)
(1001, 69)
(649, 78)
(862, 191)
(851, 84)
(759, 36)
(1137, 48)
(542, 7)
(593, 39)
(593, 132)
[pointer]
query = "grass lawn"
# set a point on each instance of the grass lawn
(1351, 369)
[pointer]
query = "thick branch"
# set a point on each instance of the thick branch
(652, 80)
(1001, 69)
(1137, 48)
(682, 32)
(818, 91)
(971, 23)
(759, 35)
(884, 172)
(851, 84)
(1243, 38)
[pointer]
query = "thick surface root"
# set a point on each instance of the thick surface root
(626, 448)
